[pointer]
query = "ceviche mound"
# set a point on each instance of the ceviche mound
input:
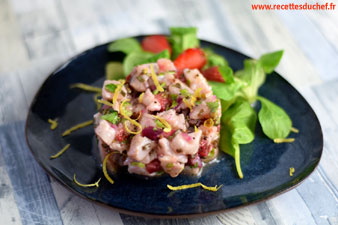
(156, 122)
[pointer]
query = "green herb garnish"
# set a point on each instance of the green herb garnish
(110, 87)
(111, 117)
(213, 106)
(185, 93)
(139, 164)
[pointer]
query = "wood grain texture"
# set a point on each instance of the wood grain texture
(9, 213)
(32, 191)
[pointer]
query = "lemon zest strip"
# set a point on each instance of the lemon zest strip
(292, 170)
(130, 120)
(76, 127)
(86, 87)
(196, 129)
(208, 123)
(294, 130)
(187, 103)
(98, 104)
(140, 98)
(117, 91)
(283, 140)
(165, 123)
(105, 102)
(53, 123)
(187, 186)
(159, 88)
(104, 168)
(60, 152)
(96, 184)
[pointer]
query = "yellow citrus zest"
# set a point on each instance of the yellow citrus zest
(86, 87)
(104, 168)
(159, 88)
(187, 103)
(196, 129)
(123, 113)
(76, 127)
(96, 96)
(96, 184)
(165, 123)
(140, 98)
(117, 91)
(187, 186)
(292, 170)
(283, 140)
(208, 123)
(60, 152)
(53, 123)
(105, 102)
(294, 130)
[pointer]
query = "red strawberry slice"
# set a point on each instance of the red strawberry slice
(155, 44)
(192, 58)
(213, 74)
(153, 166)
(163, 100)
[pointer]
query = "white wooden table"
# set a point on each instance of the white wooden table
(38, 35)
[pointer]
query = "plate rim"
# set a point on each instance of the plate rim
(154, 215)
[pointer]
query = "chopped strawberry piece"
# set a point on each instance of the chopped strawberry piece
(213, 74)
(121, 134)
(192, 58)
(195, 161)
(155, 44)
(128, 77)
(153, 166)
(204, 148)
(163, 100)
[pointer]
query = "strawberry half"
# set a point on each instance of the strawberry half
(155, 44)
(213, 74)
(192, 58)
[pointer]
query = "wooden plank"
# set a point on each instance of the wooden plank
(75, 210)
(9, 213)
(12, 53)
(239, 216)
(13, 104)
(322, 100)
(262, 36)
(32, 191)
(289, 208)
(322, 56)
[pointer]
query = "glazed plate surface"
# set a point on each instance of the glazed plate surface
(265, 165)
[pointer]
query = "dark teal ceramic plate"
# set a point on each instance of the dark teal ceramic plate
(265, 164)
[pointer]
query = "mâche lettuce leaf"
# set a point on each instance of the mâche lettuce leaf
(182, 38)
(270, 61)
(125, 45)
(274, 120)
(237, 127)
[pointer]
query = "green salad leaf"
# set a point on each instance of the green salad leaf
(227, 73)
(110, 87)
(274, 120)
(270, 61)
(112, 117)
(134, 59)
(237, 127)
(125, 45)
(155, 57)
(225, 91)
(214, 59)
(182, 38)
(253, 75)
(114, 71)
(137, 58)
